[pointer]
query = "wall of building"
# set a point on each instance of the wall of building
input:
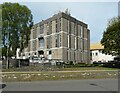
(72, 36)
(97, 55)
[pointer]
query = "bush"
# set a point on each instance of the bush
(79, 65)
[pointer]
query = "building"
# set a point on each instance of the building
(97, 55)
(59, 38)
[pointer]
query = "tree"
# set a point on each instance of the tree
(17, 21)
(111, 37)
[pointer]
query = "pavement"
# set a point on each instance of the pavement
(64, 85)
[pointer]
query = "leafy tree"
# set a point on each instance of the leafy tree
(111, 37)
(0, 30)
(17, 21)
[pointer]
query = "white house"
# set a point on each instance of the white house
(97, 55)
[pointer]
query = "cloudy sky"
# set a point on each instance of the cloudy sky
(95, 14)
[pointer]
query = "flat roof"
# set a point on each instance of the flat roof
(61, 14)
(96, 46)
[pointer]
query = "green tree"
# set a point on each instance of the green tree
(17, 21)
(111, 37)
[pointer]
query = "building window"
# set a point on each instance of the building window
(68, 41)
(50, 27)
(81, 30)
(96, 54)
(56, 25)
(57, 40)
(47, 29)
(77, 30)
(50, 41)
(60, 39)
(67, 55)
(60, 24)
(41, 29)
(75, 42)
(41, 40)
(81, 44)
(50, 52)
(74, 56)
(90, 54)
(74, 29)
(67, 28)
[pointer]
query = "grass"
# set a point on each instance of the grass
(38, 73)
(13, 77)
(39, 68)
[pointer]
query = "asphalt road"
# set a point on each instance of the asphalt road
(64, 85)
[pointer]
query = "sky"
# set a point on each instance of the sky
(95, 14)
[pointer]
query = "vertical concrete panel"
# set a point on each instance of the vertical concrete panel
(45, 42)
(64, 25)
(53, 41)
(45, 30)
(88, 45)
(64, 40)
(53, 26)
(64, 54)
(79, 30)
(38, 31)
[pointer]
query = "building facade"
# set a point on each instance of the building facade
(97, 55)
(60, 38)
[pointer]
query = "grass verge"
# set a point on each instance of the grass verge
(18, 77)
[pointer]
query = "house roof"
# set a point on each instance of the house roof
(96, 46)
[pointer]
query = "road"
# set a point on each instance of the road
(64, 85)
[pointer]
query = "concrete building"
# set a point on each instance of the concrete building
(59, 38)
(97, 55)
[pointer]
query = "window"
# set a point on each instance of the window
(75, 42)
(68, 41)
(50, 41)
(41, 43)
(90, 54)
(56, 25)
(47, 42)
(81, 30)
(41, 29)
(74, 56)
(60, 24)
(50, 52)
(81, 44)
(57, 40)
(50, 27)
(67, 26)
(60, 39)
(96, 54)
(47, 28)
(77, 30)
(74, 29)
